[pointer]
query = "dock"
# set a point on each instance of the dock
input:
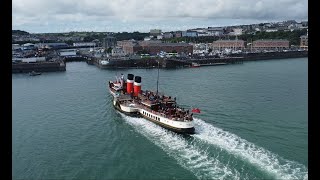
(39, 67)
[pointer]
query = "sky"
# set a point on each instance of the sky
(44, 16)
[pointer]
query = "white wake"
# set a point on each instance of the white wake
(264, 159)
(187, 155)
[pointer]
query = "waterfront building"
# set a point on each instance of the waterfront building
(109, 41)
(271, 44)
(304, 42)
(228, 44)
(155, 48)
(125, 42)
(52, 45)
(131, 47)
(68, 53)
(144, 43)
(117, 51)
(79, 44)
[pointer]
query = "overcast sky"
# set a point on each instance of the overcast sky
(142, 15)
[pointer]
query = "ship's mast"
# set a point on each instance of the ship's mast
(158, 78)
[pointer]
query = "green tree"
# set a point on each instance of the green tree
(109, 50)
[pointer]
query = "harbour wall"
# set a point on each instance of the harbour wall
(204, 61)
(38, 67)
(274, 55)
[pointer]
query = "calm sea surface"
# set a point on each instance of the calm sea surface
(253, 124)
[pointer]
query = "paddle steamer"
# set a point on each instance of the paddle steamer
(156, 107)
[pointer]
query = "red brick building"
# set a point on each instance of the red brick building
(271, 44)
(154, 48)
(230, 44)
(131, 48)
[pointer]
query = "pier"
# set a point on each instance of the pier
(39, 67)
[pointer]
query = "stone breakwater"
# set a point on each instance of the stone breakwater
(39, 67)
(187, 62)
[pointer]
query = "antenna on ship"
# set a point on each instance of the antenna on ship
(158, 78)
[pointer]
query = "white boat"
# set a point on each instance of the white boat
(116, 87)
(33, 73)
(194, 65)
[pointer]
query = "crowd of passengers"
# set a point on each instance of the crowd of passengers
(168, 111)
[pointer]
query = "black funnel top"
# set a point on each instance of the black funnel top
(137, 79)
(130, 76)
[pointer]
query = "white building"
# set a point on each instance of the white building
(237, 31)
(117, 51)
(147, 39)
(271, 30)
(160, 37)
(68, 52)
(84, 44)
(29, 60)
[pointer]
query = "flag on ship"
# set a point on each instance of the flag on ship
(195, 110)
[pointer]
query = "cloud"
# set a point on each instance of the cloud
(35, 12)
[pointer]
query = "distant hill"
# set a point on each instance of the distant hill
(19, 32)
